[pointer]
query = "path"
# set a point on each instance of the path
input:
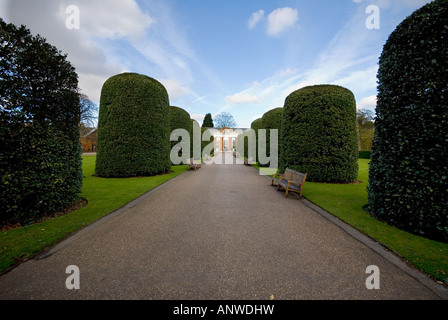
(221, 232)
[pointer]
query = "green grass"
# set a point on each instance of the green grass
(103, 195)
(346, 201)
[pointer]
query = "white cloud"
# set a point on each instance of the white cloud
(115, 36)
(255, 18)
(198, 117)
(361, 80)
(110, 19)
(174, 88)
(350, 60)
(367, 103)
(167, 54)
(281, 19)
(100, 21)
(240, 98)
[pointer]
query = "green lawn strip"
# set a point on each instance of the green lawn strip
(346, 201)
(103, 195)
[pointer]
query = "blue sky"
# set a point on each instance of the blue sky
(240, 56)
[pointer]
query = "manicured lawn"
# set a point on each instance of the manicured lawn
(346, 201)
(103, 195)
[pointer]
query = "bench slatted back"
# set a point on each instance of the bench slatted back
(288, 175)
(296, 177)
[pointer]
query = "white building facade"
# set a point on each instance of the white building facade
(225, 139)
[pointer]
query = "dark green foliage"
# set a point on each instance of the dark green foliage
(40, 153)
(206, 143)
(364, 154)
(190, 131)
(180, 119)
(255, 125)
(319, 134)
(408, 184)
(243, 139)
(208, 121)
(133, 127)
(272, 120)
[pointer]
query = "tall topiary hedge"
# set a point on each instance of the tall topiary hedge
(208, 121)
(256, 125)
(180, 119)
(272, 119)
(40, 153)
(204, 144)
(408, 184)
(133, 127)
(319, 134)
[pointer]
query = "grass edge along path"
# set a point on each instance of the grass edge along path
(346, 202)
(104, 196)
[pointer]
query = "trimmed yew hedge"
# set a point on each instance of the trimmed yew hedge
(408, 184)
(319, 134)
(255, 125)
(180, 119)
(272, 119)
(133, 127)
(206, 143)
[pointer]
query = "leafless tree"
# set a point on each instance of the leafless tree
(224, 120)
(88, 111)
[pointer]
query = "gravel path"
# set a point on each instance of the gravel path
(221, 232)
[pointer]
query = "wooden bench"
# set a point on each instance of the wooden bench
(194, 164)
(291, 181)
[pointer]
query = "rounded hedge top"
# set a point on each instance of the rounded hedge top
(408, 172)
(255, 125)
(319, 134)
(272, 119)
(179, 119)
(133, 127)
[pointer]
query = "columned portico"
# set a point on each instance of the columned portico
(225, 139)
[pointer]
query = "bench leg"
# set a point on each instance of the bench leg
(287, 192)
